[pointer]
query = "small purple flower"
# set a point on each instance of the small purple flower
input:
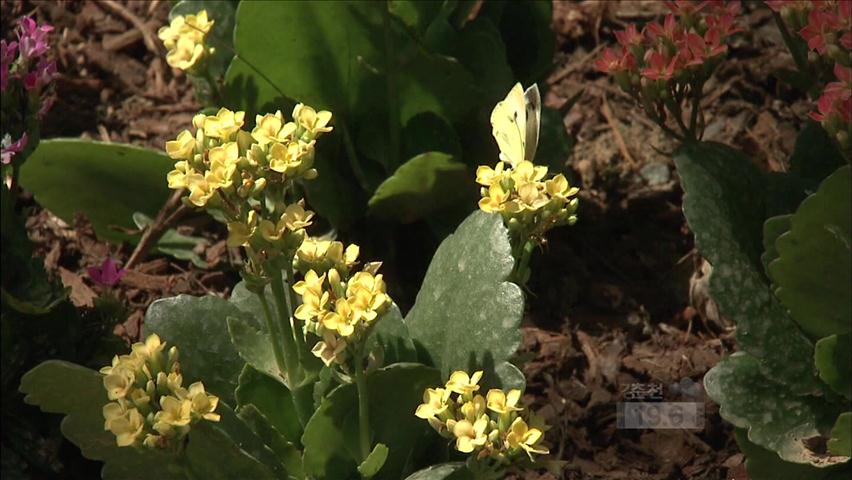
(108, 274)
(9, 148)
(32, 38)
(7, 56)
(43, 74)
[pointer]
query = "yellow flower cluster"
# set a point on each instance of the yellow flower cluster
(527, 201)
(340, 310)
(184, 39)
(323, 255)
(244, 174)
(490, 426)
(149, 404)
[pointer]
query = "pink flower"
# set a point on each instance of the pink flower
(108, 274)
(43, 74)
(9, 148)
(7, 56)
(725, 24)
(660, 67)
(32, 37)
(669, 30)
(613, 61)
(820, 23)
(629, 36)
(844, 74)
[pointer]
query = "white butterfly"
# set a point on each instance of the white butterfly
(515, 124)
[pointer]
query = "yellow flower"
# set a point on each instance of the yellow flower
(295, 216)
(312, 283)
(526, 172)
(169, 34)
(486, 176)
(224, 125)
(342, 319)
(200, 191)
(462, 383)
(494, 200)
(119, 382)
(178, 178)
(203, 404)
(174, 414)
(151, 347)
(287, 158)
(521, 436)
(112, 411)
(314, 298)
(434, 403)
(239, 233)
(183, 147)
(503, 403)
(311, 120)
(366, 295)
(271, 128)
(330, 349)
(529, 198)
(473, 409)
(198, 25)
(558, 187)
(470, 436)
(186, 54)
(127, 427)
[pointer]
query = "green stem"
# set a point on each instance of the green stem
(363, 406)
(298, 334)
(291, 358)
(277, 347)
(352, 156)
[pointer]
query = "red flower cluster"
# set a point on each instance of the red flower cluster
(672, 57)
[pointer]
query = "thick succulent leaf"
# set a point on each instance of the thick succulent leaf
(833, 359)
(525, 28)
(444, 471)
(254, 346)
(775, 417)
(132, 179)
(78, 393)
(815, 156)
(416, 15)
(467, 313)
(391, 335)
(272, 399)
(198, 327)
(374, 461)
(174, 243)
(214, 452)
(422, 185)
(813, 270)
(840, 442)
(341, 53)
(772, 229)
(723, 204)
(428, 132)
(763, 464)
(331, 436)
(286, 452)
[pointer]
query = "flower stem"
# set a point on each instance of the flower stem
(298, 334)
(277, 347)
(291, 358)
(363, 406)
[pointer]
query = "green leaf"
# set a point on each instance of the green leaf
(254, 346)
(198, 327)
(813, 270)
(467, 314)
(428, 132)
(723, 204)
(391, 335)
(221, 35)
(374, 461)
(333, 194)
(272, 399)
(416, 15)
(840, 442)
(530, 42)
(175, 244)
(423, 184)
(763, 464)
(78, 393)
(833, 359)
(110, 182)
(815, 156)
(776, 418)
(444, 471)
(331, 436)
(772, 229)
(286, 452)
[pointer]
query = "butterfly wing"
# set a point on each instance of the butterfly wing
(508, 125)
(532, 102)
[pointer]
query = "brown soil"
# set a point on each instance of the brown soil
(619, 299)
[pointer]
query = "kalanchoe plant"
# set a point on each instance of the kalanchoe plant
(778, 243)
(26, 83)
(311, 335)
(665, 66)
